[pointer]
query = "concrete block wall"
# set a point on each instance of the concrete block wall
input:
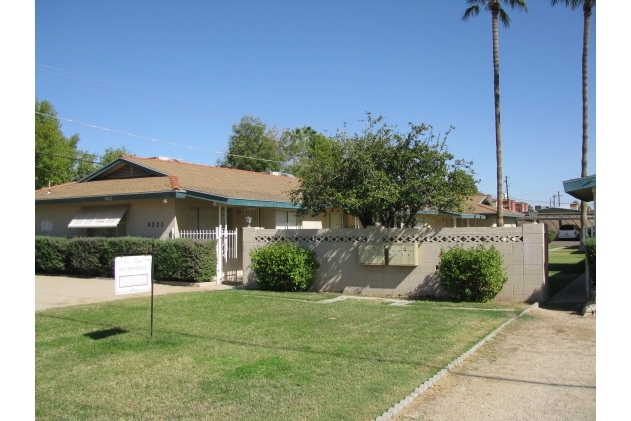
(522, 248)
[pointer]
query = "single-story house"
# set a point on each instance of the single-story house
(161, 197)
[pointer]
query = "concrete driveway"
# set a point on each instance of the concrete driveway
(62, 291)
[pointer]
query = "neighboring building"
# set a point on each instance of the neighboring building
(555, 217)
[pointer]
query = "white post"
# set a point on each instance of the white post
(219, 254)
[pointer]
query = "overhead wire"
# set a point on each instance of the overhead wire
(156, 140)
(131, 87)
(146, 100)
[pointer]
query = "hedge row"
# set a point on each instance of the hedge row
(176, 260)
(590, 256)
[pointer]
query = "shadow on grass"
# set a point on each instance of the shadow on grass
(244, 343)
(105, 333)
(562, 274)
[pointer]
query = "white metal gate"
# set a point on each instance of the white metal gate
(226, 250)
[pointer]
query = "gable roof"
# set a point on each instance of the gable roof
(481, 204)
(131, 177)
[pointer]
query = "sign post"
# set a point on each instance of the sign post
(133, 273)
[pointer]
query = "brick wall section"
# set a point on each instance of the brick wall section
(522, 249)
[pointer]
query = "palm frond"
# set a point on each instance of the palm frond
(504, 18)
(573, 4)
(519, 5)
(471, 11)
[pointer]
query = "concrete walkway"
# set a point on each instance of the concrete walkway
(540, 367)
(62, 291)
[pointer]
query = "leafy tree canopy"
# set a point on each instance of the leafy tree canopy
(57, 159)
(54, 153)
(383, 176)
(253, 147)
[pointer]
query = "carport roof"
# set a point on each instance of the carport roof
(581, 188)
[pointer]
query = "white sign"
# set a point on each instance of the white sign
(132, 274)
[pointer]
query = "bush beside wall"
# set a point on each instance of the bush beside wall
(185, 260)
(178, 260)
(475, 274)
(284, 267)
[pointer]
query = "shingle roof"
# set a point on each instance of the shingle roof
(105, 188)
(224, 182)
(474, 205)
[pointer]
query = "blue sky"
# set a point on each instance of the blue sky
(185, 72)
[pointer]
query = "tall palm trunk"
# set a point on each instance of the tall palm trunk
(498, 128)
(587, 12)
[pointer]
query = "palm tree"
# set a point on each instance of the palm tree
(587, 13)
(497, 13)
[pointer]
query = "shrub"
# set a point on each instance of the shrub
(51, 254)
(85, 256)
(284, 267)
(475, 274)
(123, 245)
(551, 236)
(185, 259)
(590, 257)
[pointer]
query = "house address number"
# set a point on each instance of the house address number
(155, 224)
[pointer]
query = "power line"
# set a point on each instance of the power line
(45, 68)
(68, 157)
(146, 101)
(158, 140)
(128, 86)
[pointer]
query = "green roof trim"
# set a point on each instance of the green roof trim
(114, 197)
(240, 202)
(581, 188)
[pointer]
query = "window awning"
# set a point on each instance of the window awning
(98, 216)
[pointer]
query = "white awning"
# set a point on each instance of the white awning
(98, 216)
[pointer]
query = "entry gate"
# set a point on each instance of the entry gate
(226, 250)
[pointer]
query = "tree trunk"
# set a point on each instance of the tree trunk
(498, 129)
(587, 12)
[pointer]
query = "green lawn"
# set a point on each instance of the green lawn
(564, 266)
(245, 355)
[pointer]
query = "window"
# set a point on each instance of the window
(203, 218)
(287, 220)
(252, 213)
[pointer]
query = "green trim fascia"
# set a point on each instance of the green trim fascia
(115, 163)
(581, 188)
(241, 202)
(114, 197)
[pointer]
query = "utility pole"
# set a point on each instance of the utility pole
(559, 196)
(506, 181)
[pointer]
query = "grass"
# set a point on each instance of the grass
(564, 266)
(245, 355)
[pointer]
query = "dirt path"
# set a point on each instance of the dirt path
(540, 367)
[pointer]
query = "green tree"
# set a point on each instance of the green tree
(383, 176)
(55, 154)
(111, 155)
(86, 163)
(299, 147)
(497, 13)
(252, 147)
(587, 6)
